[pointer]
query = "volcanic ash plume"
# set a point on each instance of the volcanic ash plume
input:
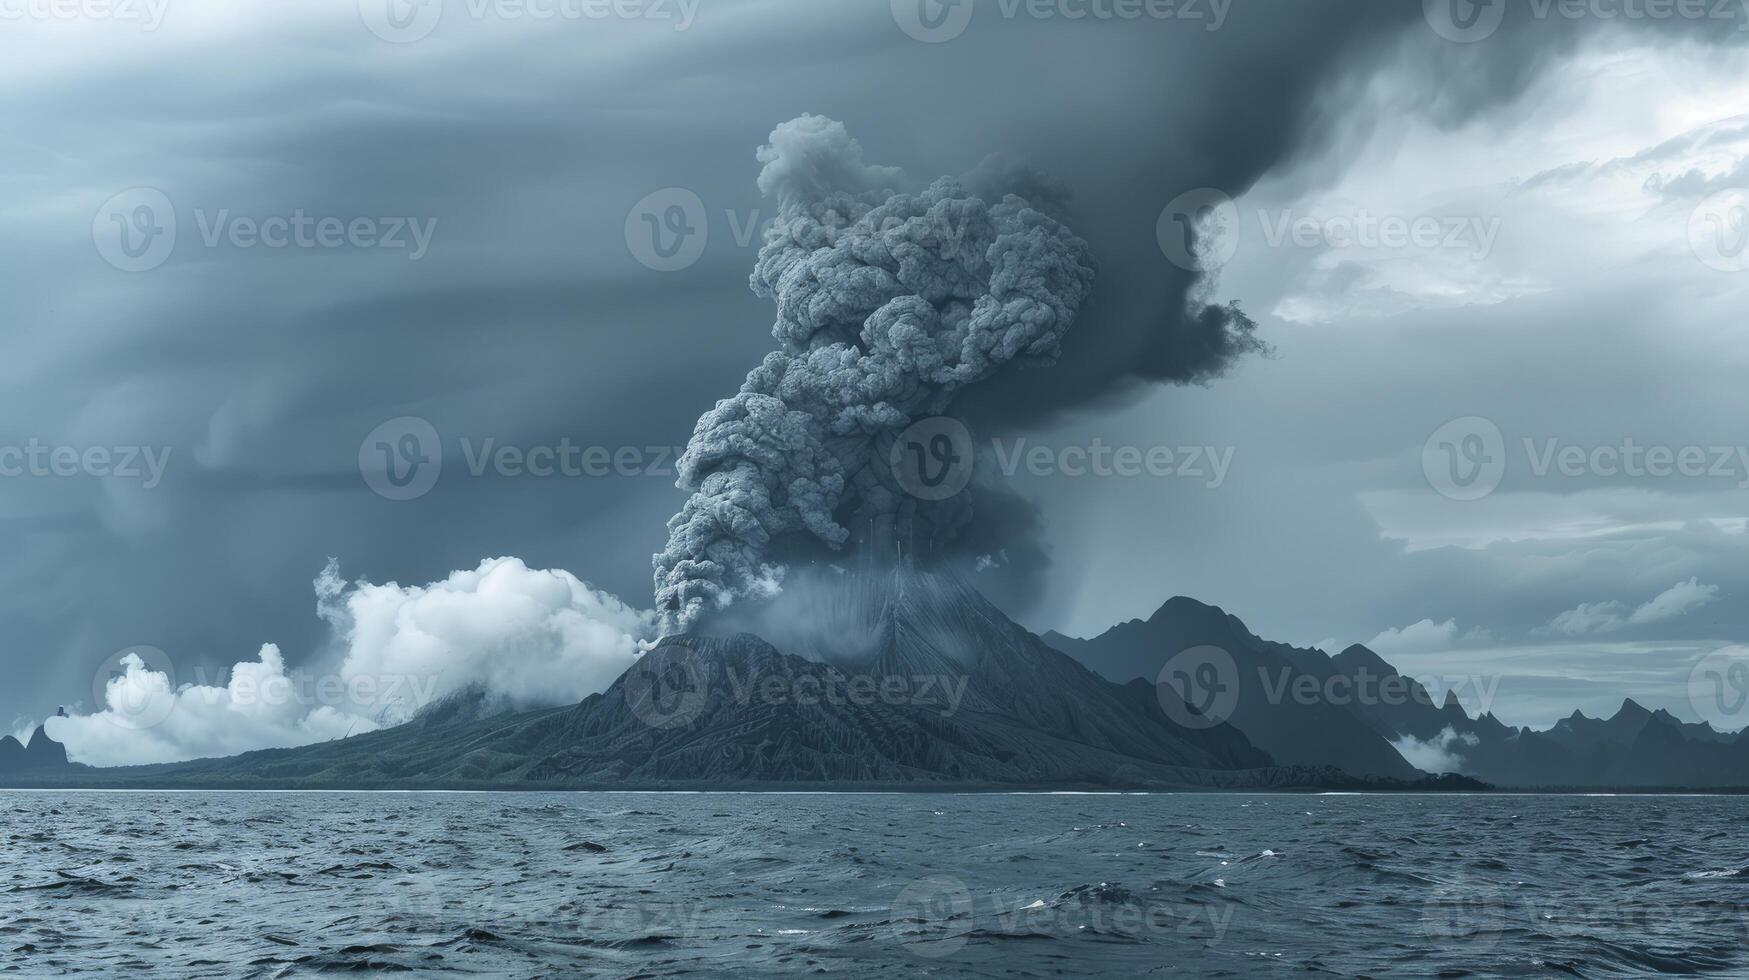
(888, 303)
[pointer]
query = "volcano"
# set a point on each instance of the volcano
(896, 679)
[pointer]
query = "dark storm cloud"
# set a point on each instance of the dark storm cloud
(530, 321)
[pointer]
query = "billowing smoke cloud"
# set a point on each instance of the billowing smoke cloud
(888, 304)
(521, 637)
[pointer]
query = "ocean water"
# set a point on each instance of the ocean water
(648, 885)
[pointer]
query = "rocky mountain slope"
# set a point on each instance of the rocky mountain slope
(1268, 702)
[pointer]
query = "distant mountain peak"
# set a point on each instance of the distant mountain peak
(1358, 656)
(41, 752)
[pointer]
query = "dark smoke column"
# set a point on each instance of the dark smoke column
(888, 304)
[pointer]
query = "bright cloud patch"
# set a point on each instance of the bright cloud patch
(532, 636)
(144, 720)
(1439, 754)
(1426, 636)
(1607, 617)
(526, 637)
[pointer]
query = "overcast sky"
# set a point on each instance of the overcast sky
(1479, 251)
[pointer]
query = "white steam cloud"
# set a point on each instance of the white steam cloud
(888, 304)
(1439, 754)
(523, 637)
(145, 720)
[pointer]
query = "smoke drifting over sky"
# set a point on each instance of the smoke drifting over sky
(888, 304)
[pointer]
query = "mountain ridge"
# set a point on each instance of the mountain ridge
(910, 680)
(1635, 748)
